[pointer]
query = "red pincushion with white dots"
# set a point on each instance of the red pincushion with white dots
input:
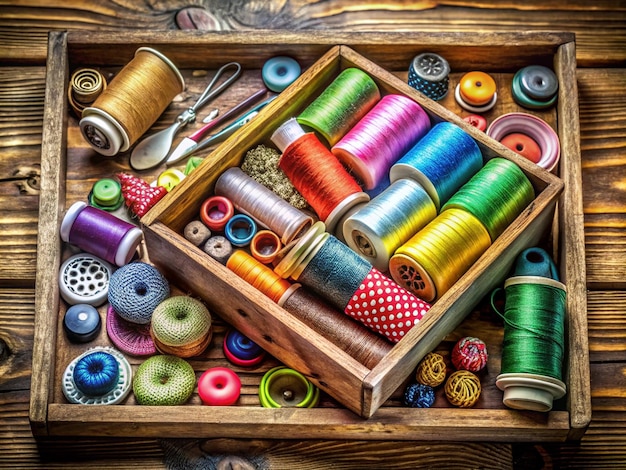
(138, 194)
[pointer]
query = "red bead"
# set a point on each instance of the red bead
(523, 145)
(219, 386)
(476, 120)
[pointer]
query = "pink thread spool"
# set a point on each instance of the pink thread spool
(100, 233)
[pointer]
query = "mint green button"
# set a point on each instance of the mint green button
(107, 192)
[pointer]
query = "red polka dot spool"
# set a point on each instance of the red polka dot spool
(470, 354)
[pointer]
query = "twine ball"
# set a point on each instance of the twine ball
(164, 380)
(419, 396)
(462, 389)
(469, 353)
(431, 370)
(135, 290)
(181, 326)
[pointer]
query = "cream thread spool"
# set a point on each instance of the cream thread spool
(132, 102)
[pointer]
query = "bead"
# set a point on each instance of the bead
(82, 323)
(96, 374)
(265, 246)
(428, 73)
(130, 338)
(135, 291)
(219, 386)
(538, 82)
(85, 279)
(196, 232)
(470, 354)
(218, 248)
(216, 211)
(476, 120)
(106, 194)
(477, 88)
(462, 389)
(431, 370)
(283, 387)
(164, 380)
(280, 72)
(523, 145)
(535, 261)
(240, 230)
(116, 395)
(419, 396)
(242, 351)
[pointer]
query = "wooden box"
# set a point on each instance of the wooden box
(360, 402)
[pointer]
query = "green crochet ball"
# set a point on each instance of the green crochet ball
(180, 320)
(164, 380)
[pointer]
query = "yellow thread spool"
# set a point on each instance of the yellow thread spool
(132, 102)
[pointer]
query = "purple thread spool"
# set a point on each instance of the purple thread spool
(392, 127)
(100, 233)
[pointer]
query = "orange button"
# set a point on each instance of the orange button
(477, 88)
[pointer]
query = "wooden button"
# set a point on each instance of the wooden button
(477, 88)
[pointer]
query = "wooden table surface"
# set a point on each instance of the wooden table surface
(600, 28)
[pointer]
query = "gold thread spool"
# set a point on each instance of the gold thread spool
(439, 254)
(132, 102)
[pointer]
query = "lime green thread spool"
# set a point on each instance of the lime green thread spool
(534, 343)
(341, 105)
(495, 195)
(282, 387)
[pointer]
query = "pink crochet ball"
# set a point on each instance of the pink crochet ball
(470, 354)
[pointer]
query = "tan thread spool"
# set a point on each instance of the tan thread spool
(132, 102)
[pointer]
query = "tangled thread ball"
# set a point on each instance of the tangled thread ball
(463, 389)
(431, 370)
(469, 353)
(419, 396)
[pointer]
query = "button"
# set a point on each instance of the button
(82, 323)
(538, 82)
(477, 88)
(280, 72)
(106, 194)
(523, 145)
(242, 351)
(476, 120)
(84, 279)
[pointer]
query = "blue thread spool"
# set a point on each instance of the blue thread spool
(96, 374)
(240, 230)
(241, 350)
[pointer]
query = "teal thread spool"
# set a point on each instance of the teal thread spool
(534, 343)
(341, 105)
(495, 195)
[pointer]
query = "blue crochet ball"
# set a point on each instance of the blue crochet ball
(135, 290)
(419, 396)
(96, 374)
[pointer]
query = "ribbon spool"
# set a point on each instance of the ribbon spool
(431, 261)
(428, 74)
(85, 87)
(534, 343)
(282, 387)
(132, 102)
(333, 271)
(100, 233)
(495, 195)
(535, 128)
(263, 205)
(340, 106)
(381, 137)
(381, 226)
(442, 161)
(317, 174)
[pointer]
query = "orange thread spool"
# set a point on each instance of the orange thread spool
(265, 246)
(132, 102)
(259, 276)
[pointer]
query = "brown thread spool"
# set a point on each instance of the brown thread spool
(132, 102)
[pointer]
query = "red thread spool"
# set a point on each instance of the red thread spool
(317, 174)
(216, 211)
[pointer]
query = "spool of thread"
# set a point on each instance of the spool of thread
(534, 343)
(100, 233)
(85, 86)
(496, 195)
(317, 174)
(381, 137)
(442, 161)
(265, 246)
(431, 261)
(381, 226)
(428, 73)
(132, 102)
(333, 271)
(340, 105)
(260, 203)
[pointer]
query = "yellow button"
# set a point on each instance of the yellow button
(170, 178)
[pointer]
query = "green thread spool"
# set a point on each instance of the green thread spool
(534, 343)
(496, 195)
(341, 105)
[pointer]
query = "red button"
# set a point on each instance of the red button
(523, 145)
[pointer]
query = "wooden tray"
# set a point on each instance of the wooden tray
(70, 167)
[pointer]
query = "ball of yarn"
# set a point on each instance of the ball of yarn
(164, 380)
(96, 374)
(419, 396)
(469, 353)
(462, 389)
(431, 370)
(181, 326)
(135, 290)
